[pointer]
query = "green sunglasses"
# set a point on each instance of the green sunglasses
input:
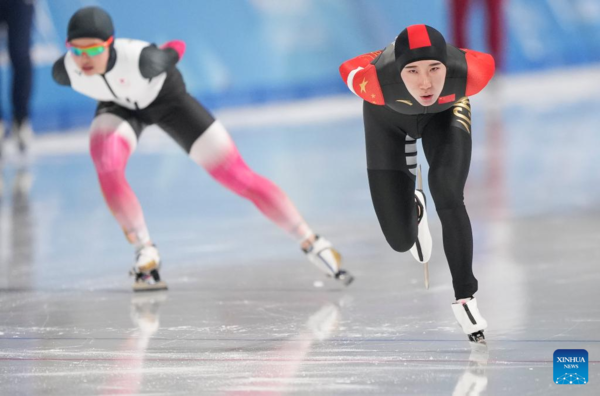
(91, 50)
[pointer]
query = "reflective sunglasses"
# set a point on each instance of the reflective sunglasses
(91, 50)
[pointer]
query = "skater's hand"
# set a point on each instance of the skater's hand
(156, 60)
(177, 45)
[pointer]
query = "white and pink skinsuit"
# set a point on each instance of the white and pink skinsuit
(142, 86)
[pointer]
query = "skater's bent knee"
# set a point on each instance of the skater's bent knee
(400, 245)
(401, 237)
(109, 152)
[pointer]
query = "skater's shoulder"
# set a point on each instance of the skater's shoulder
(361, 76)
(387, 70)
(128, 50)
(154, 60)
(150, 59)
(59, 72)
(478, 67)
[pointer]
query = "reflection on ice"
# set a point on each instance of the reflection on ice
(279, 367)
(473, 381)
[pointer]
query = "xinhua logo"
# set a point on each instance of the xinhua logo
(571, 367)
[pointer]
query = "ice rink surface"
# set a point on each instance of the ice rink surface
(246, 314)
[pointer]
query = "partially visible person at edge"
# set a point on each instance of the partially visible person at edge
(138, 84)
(494, 24)
(418, 88)
(17, 15)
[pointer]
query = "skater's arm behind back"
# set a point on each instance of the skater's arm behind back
(59, 72)
(155, 60)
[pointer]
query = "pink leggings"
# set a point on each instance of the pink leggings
(112, 142)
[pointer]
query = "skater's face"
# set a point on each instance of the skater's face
(424, 80)
(90, 54)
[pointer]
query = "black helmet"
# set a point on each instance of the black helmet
(419, 42)
(91, 22)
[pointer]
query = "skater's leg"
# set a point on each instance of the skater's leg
(112, 141)
(216, 152)
(391, 167)
(447, 146)
(19, 19)
(393, 194)
(209, 144)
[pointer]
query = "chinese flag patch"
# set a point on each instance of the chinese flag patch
(447, 99)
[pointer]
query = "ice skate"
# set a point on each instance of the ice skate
(23, 133)
(470, 320)
(322, 254)
(421, 250)
(146, 270)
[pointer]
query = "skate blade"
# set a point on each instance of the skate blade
(347, 280)
(425, 264)
(477, 337)
(143, 286)
(344, 277)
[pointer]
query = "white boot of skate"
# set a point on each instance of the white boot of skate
(322, 254)
(470, 320)
(146, 270)
(421, 250)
